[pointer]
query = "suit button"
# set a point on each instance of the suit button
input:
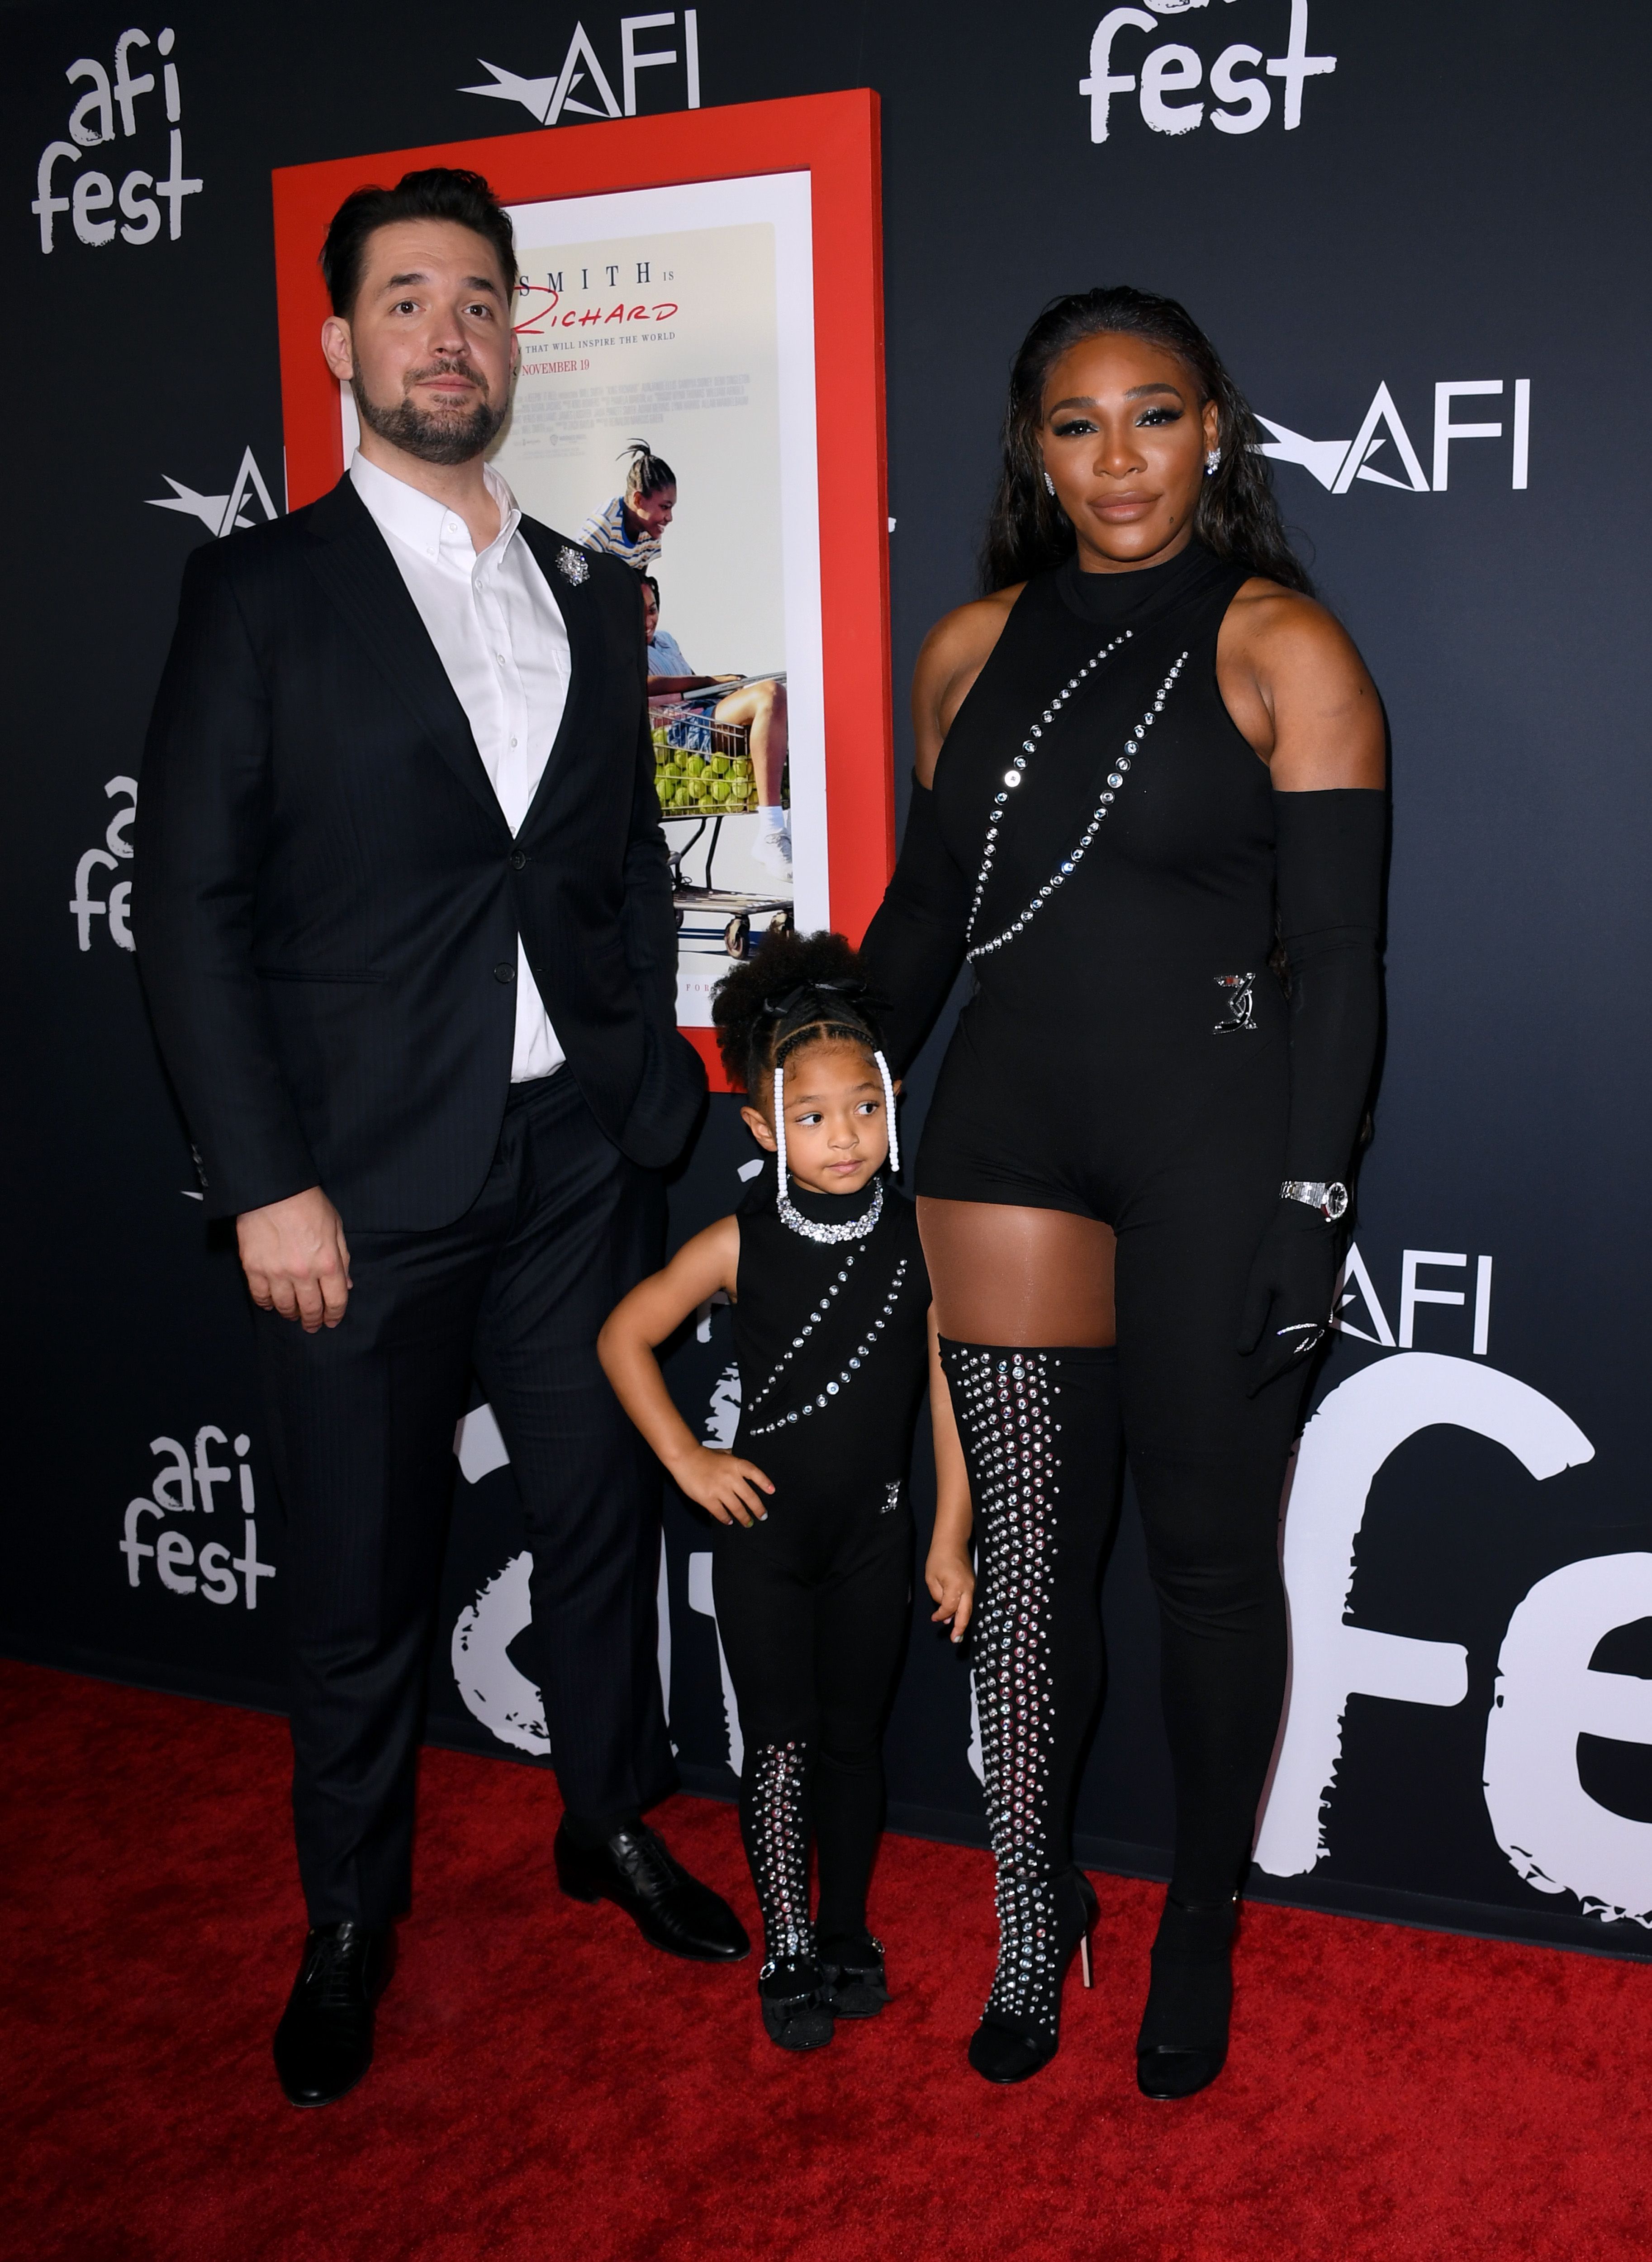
(517, 859)
(505, 974)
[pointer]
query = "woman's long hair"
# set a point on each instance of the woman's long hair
(1236, 516)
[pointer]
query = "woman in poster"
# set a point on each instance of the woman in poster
(1143, 758)
(631, 524)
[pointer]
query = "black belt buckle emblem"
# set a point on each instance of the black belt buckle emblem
(1238, 994)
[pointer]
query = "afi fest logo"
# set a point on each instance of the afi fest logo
(1337, 464)
(221, 514)
(114, 908)
(563, 95)
(1239, 77)
(187, 1484)
(1549, 1693)
(129, 97)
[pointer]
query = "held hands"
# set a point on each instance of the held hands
(295, 1259)
(1288, 1299)
(726, 1488)
(950, 1576)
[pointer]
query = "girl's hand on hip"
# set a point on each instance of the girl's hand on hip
(728, 1488)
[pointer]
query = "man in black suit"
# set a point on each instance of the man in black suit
(407, 932)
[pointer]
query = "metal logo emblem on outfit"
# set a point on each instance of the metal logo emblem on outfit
(1240, 990)
(573, 565)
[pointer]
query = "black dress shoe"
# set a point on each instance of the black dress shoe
(671, 1909)
(797, 2012)
(853, 1980)
(324, 2042)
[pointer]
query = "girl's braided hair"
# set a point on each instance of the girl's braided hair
(798, 989)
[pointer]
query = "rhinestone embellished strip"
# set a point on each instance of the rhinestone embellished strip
(1016, 771)
(808, 1328)
(863, 1351)
(1006, 1408)
(778, 1776)
(1116, 777)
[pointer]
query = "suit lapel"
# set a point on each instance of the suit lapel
(353, 562)
(582, 616)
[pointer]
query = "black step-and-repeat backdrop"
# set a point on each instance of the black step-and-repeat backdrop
(1416, 233)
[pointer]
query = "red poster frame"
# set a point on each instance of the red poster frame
(834, 138)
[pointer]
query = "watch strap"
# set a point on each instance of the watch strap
(1329, 1197)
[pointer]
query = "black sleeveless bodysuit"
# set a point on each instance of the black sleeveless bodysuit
(1133, 1010)
(1125, 1055)
(832, 1344)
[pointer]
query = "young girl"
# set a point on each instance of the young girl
(812, 1550)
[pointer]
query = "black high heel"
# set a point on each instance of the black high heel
(1005, 2049)
(1183, 2045)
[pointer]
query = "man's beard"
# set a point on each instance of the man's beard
(453, 436)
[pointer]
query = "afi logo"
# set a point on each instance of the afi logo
(185, 1484)
(1172, 68)
(219, 514)
(549, 100)
(91, 123)
(86, 907)
(1337, 464)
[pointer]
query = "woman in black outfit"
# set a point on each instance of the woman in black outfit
(1145, 760)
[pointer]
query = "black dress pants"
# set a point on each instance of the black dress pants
(361, 1422)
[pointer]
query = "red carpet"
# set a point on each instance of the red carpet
(545, 2087)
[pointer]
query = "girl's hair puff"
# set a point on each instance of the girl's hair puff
(646, 473)
(796, 984)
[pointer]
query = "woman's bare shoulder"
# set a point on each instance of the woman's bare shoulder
(954, 652)
(1268, 621)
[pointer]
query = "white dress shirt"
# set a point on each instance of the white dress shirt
(501, 637)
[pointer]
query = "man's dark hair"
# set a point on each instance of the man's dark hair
(437, 192)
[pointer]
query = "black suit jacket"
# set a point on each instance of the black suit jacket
(329, 897)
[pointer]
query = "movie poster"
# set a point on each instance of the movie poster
(683, 317)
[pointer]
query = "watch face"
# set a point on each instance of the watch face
(1336, 1201)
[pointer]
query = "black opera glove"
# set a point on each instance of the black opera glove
(1287, 1297)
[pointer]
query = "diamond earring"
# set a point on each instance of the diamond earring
(1049, 483)
(1212, 463)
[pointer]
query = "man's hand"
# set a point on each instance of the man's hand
(294, 1255)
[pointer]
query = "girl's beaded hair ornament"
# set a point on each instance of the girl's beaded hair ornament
(817, 1010)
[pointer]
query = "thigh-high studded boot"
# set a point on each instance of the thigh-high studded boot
(1040, 1433)
(774, 1822)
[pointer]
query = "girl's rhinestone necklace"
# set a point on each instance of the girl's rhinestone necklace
(830, 1236)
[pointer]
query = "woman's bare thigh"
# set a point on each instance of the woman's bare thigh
(1001, 1274)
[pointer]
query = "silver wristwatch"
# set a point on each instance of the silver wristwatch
(1330, 1201)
